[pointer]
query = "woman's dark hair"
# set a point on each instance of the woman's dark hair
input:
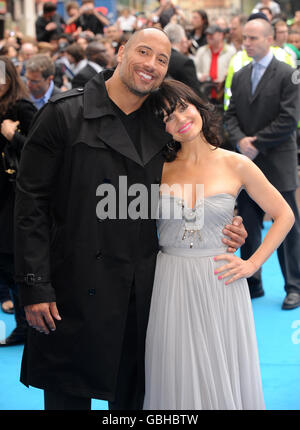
(204, 17)
(17, 89)
(172, 94)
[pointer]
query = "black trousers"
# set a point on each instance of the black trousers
(130, 382)
(131, 378)
(6, 276)
(288, 252)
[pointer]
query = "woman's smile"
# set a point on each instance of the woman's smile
(185, 127)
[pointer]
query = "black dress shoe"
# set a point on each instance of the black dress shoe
(256, 292)
(17, 337)
(291, 301)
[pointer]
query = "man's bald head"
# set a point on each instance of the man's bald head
(139, 34)
(260, 25)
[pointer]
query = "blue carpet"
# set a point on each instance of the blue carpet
(278, 336)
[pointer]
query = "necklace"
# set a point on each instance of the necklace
(193, 221)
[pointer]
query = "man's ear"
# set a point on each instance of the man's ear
(120, 53)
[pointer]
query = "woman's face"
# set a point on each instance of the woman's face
(185, 123)
(197, 20)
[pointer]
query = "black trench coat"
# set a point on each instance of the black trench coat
(86, 264)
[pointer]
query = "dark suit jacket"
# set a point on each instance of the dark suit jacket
(182, 68)
(83, 76)
(271, 114)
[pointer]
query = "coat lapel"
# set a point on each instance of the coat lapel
(247, 81)
(153, 134)
(113, 134)
(111, 130)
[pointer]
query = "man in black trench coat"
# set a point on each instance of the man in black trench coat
(86, 281)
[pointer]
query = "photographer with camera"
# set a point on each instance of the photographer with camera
(49, 23)
(90, 19)
(164, 12)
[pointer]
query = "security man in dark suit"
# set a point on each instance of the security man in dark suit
(261, 122)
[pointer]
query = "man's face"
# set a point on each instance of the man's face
(144, 64)
(214, 39)
(235, 28)
(49, 15)
(28, 50)
(111, 32)
(37, 85)
(256, 42)
(294, 39)
(282, 34)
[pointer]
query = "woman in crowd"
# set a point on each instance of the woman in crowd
(201, 349)
(197, 37)
(16, 114)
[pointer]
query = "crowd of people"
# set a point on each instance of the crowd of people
(206, 54)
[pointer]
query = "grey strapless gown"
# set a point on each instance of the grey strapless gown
(201, 348)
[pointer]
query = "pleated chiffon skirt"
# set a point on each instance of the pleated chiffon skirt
(201, 347)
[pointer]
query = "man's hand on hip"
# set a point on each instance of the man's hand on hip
(236, 234)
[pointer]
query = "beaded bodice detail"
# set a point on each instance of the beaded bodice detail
(199, 227)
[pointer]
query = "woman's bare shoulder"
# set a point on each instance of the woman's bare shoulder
(234, 159)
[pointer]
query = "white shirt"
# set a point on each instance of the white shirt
(126, 24)
(95, 66)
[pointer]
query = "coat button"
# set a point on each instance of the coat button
(99, 255)
(92, 291)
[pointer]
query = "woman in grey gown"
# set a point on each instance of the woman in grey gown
(201, 348)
